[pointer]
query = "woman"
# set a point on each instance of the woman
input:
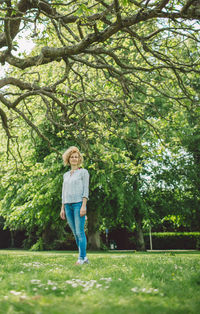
(75, 193)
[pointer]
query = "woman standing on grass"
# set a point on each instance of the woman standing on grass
(75, 193)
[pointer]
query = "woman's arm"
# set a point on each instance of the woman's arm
(83, 207)
(85, 178)
(85, 192)
(62, 212)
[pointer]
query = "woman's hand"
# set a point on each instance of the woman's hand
(82, 211)
(62, 214)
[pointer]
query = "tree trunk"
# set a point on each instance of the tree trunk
(47, 238)
(12, 239)
(139, 232)
(94, 241)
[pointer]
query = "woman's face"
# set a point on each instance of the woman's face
(74, 159)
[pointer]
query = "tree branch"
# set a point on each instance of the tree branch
(186, 6)
(4, 120)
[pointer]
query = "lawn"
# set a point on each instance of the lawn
(49, 282)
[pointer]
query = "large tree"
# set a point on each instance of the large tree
(96, 66)
(136, 46)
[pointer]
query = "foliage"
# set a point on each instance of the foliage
(100, 58)
(120, 81)
(32, 199)
(170, 190)
(119, 186)
(38, 246)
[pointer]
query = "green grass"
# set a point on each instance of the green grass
(49, 282)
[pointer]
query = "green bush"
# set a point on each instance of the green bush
(38, 246)
(173, 240)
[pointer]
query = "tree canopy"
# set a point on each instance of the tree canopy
(135, 52)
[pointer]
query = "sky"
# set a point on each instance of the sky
(25, 43)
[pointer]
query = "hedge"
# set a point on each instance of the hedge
(5, 239)
(173, 240)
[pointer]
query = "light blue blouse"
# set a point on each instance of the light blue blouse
(75, 186)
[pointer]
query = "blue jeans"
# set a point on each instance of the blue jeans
(77, 223)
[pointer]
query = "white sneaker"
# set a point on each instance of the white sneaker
(80, 262)
(86, 261)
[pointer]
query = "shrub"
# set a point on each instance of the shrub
(38, 246)
(173, 240)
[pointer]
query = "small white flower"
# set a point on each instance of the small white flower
(91, 283)
(50, 283)
(35, 281)
(23, 297)
(37, 264)
(15, 292)
(106, 279)
(134, 289)
(54, 288)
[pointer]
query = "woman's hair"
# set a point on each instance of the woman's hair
(67, 154)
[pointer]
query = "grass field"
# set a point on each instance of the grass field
(139, 283)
